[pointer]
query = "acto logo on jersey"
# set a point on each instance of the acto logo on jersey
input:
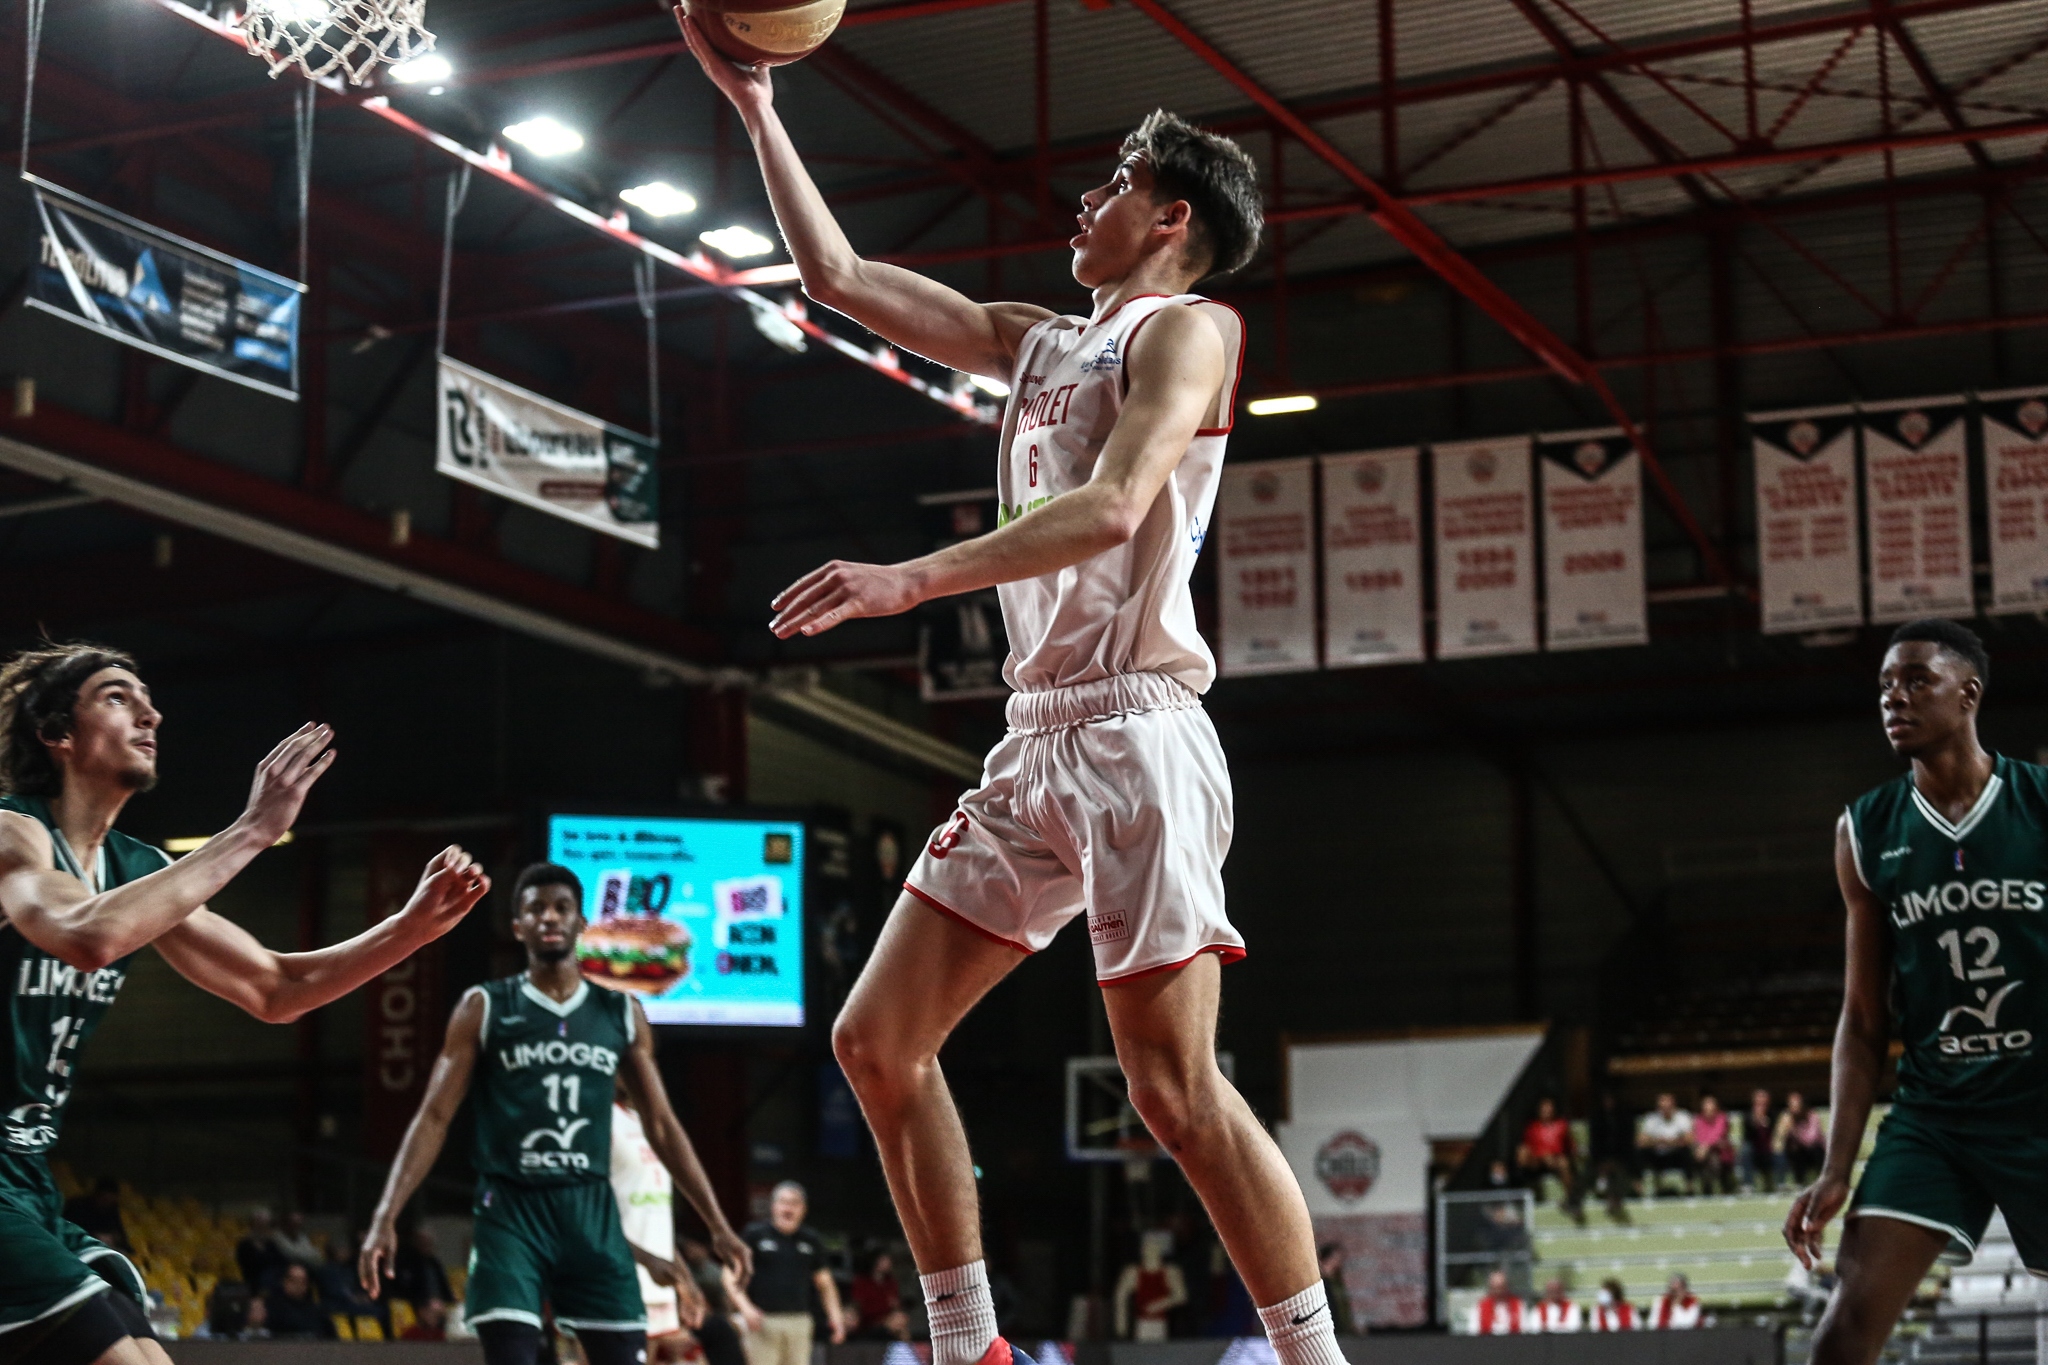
(1990, 1043)
(30, 1128)
(555, 1052)
(535, 1155)
(1953, 898)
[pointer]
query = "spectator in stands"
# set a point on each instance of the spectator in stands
(1800, 1139)
(1677, 1308)
(293, 1243)
(431, 1324)
(1330, 1262)
(1555, 1312)
(227, 1310)
(1546, 1150)
(1762, 1165)
(1613, 1143)
(417, 1275)
(878, 1299)
(1713, 1150)
(290, 1310)
(1500, 1312)
(257, 1254)
(1612, 1312)
(341, 1289)
(99, 1213)
(1664, 1138)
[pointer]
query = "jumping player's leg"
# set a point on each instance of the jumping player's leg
(927, 971)
(1165, 1031)
(1881, 1262)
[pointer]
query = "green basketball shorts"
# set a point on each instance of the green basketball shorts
(1923, 1171)
(46, 1264)
(557, 1245)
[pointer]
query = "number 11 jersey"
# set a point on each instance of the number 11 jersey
(1966, 906)
(544, 1082)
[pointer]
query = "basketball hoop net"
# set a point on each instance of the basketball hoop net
(321, 37)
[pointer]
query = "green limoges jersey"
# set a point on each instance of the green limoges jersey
(1967, 906)
(544, 1083)
(52, 1008)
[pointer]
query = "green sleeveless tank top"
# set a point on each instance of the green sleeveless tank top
(544, 1082)
(52, 1008)
(1965, 907)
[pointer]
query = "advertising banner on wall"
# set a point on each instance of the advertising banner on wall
(1916, 507)
(1485, 548)
(403, 1013)
(1806, 519)
(1592, 540)
(1365, 1177)
(531, 449)
(1266, 575)
(176, 299)
(1372, 558)
(2015, 431)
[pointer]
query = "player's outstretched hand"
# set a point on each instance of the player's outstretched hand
(734, 1254)
(374, 1263)
(840, 591)
(691, 1306)
(1811, 1211)
(748, 87)
(449, 888)
(283, 779)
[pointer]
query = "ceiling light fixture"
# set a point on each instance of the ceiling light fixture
(659, 199)
(994, 388)
(544, 137)
(1273, 407)
(736, 241)
(431, 66)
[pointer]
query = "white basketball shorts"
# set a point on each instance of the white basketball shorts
(1110, 797)
(664, 1314)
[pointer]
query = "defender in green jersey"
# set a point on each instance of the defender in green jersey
(78, 737)
(1945, 874)
(545, 1050)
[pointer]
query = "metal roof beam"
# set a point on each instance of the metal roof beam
(1923, 71)
(1401, 223)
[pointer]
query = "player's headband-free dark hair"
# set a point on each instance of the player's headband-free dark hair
(38, 703)
(1214, 175)
(546, 874)
(1953, 636)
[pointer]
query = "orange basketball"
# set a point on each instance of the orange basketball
(766, 32)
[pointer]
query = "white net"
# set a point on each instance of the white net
(322, 37)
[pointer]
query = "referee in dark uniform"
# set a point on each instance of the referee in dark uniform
(789, 1263)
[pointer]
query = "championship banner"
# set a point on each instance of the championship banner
(1916, 506)
(1372, 558)
(1485, 549)
(124, 279)
(403, 1013)
(2015, 431)
(1592, 540)
(1806, 519)
(530, 449)
(1265, 514)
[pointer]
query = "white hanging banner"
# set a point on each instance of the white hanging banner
(1266, 576)
(1916, 508)
(1806, 519)
(1592, 540)
(1372, 558)
(531, 449)
(1485, 548)
(2015, 430)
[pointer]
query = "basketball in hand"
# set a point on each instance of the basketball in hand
(766, 32)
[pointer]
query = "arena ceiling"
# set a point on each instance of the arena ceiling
(1857, 167)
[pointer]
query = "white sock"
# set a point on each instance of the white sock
(963, 1316)
(1301, 1329)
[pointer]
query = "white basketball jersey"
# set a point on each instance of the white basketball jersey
(1128, 609)
(643, 1188)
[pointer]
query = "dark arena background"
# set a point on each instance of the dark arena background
(1738, 307)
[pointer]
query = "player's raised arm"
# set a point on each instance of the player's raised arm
(1175, 376)
(905, 308)
(220, 956)
(423, 1138)
(1861, 1038)
(642, 1079)
(62, 916)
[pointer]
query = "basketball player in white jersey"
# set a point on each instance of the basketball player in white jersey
(1109, 794)
(646, 1193)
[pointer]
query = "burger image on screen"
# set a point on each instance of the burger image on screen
(644, 954)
